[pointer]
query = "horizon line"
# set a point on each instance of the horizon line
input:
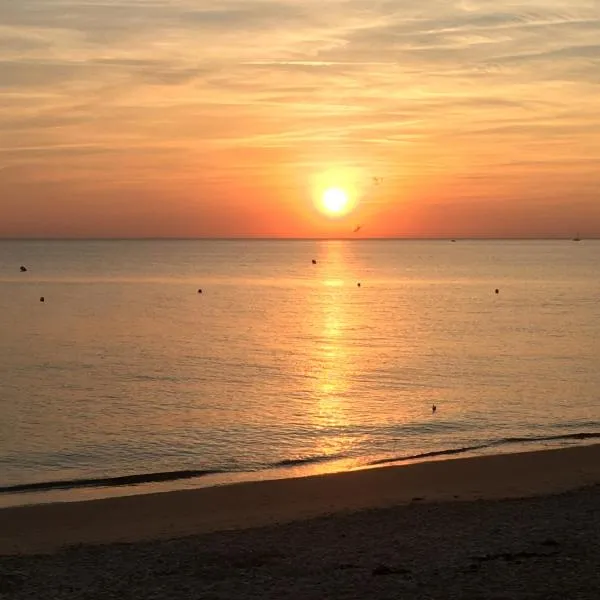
(292, 239)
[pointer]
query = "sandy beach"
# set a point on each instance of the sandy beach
(506, 526)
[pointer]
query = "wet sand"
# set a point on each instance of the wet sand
(508, 526)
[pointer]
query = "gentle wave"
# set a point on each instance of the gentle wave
(163, 476)
(503, 441)
(566, 436)
(293, 462)
(395, 459)
(108, 481)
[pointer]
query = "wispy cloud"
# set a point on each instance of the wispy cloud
(452, 100)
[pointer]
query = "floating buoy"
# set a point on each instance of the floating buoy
(42, 299)
(358, 284)
(23, 269)
(497, 291)
(199, 290)
(314, 262)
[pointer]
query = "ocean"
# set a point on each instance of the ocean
(127, 379)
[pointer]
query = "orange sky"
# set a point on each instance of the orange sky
(127, 118)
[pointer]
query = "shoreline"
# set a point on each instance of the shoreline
(46, 528)
(85, 488)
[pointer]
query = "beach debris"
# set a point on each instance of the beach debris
(23, 268)
(510, 556)
(470, 569)
(253, 559)
(42, 299)
(550, 542)
(314, 262)
(384, 569)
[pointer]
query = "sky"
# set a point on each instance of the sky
(219, 118)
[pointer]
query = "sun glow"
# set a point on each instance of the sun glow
(335, 202)
(336, 193)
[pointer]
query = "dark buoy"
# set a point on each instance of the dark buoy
(314, 262)
(433, 408)
(358, 284)
(23, 269)
(42, 299)
(199, 290)
(497, 291)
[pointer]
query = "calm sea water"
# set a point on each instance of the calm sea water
(281, 366)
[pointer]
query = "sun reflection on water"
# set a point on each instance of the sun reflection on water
(332, 324)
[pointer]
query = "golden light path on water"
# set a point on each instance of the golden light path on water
(333, 354)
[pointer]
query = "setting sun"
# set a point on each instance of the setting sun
(335, 201)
